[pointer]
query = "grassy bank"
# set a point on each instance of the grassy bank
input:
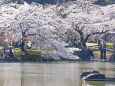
(97, 54)
(110, 44)
(28, 55)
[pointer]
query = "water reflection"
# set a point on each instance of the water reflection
(93, 83)
(51, 75)
(62, 74)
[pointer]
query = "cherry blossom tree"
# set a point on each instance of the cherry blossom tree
(86, 32)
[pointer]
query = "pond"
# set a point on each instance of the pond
(52, 74)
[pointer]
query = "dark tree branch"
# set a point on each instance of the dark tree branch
(87, 37)
(95, 33)
(23, 33)
(31, 35)
(102, 32)
(84, 38)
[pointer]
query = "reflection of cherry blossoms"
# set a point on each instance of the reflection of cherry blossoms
(50, 23)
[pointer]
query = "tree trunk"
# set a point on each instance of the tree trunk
(83, 45)
(23, 46)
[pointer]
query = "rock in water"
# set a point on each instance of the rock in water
(87, 73)
(95, 77)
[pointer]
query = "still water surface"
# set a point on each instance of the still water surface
(52, 74)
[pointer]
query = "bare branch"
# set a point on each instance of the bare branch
(95, 33)
(24, 32)
(31, 35)
(77, 26)
(102, 32)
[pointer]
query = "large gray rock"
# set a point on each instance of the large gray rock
(94, 77)
(84, 74)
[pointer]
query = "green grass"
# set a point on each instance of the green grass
(97, 54)
(1, 47)
(28, 55)
(109, 44)
(92, 44)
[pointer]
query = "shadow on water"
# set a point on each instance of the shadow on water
(97, 83)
